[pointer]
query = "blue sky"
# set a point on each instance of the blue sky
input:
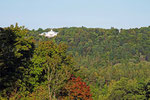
(36, 14)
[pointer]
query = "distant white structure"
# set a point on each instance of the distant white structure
(49, 34)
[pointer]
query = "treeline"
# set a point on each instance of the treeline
(114, 63)
(103, 46)
(36, 70)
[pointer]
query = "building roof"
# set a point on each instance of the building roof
(49, 34)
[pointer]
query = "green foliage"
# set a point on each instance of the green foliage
(104, 56)
(51, 66)
(16, 49)
(114, 63)
(96, 47)
(126, 89)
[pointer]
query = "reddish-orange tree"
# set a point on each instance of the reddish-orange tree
(77, 89)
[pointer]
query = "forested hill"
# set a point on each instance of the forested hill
(99, 64)
(114, 63)
(97, 47)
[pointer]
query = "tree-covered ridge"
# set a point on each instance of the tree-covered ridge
(30, 71)
(108, 64)
(105, 56)
(102, 47)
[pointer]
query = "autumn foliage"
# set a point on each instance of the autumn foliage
(77, 89)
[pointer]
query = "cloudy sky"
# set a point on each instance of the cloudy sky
(36, 14)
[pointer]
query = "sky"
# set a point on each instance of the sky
(34, 14)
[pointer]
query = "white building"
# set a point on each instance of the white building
(49, 34)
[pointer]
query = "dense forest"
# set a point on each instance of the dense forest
(78, 64)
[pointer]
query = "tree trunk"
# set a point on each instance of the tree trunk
(49, 90)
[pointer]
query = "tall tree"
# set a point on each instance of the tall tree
(16, 49)
(51, 66)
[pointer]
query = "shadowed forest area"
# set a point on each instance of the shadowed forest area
(78, 64)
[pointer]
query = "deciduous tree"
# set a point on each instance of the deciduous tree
(77, 89)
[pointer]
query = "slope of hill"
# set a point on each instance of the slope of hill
(106, 56)
(101, 47)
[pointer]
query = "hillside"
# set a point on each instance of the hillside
(106, 55)
(79, 63)
(101, 47)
